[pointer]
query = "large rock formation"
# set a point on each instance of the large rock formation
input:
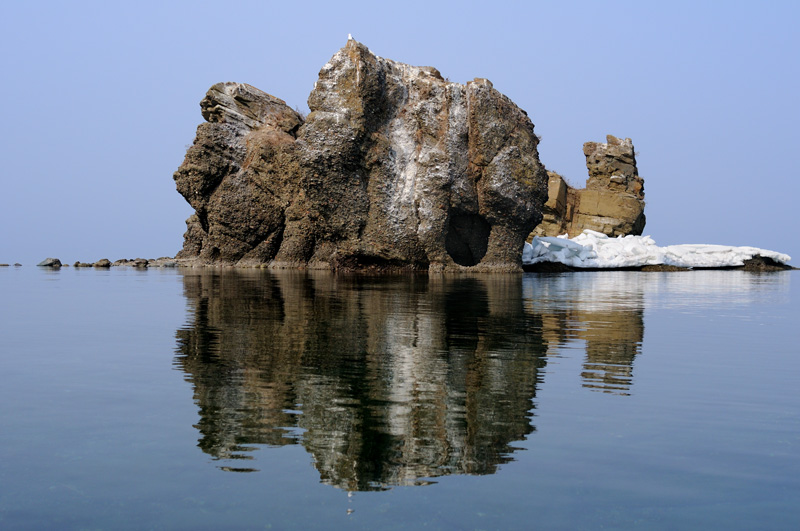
(394, 167)
(611, 203)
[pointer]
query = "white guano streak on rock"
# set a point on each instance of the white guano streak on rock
(410, 188)
(404, 165)
(405, 168)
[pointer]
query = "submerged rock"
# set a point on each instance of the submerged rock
(395, 167)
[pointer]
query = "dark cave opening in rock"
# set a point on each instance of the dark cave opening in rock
(467, 238)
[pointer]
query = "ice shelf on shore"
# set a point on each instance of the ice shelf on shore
(596, 250)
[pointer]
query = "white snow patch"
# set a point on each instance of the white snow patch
(596, 250)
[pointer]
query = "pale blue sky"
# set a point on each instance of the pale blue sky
(100, 100)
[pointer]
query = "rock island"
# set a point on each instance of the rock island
(397, 168)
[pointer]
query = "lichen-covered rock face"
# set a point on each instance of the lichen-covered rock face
(395, 167)
(611, 203)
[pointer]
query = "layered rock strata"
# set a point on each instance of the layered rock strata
(395, 167)
(611, 203)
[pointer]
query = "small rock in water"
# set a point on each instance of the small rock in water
(103, 262)
(3, 265)
(17, 264)
(50, 262)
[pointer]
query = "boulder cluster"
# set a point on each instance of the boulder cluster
(105, 263)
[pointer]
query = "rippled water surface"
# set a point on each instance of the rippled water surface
(197, 399)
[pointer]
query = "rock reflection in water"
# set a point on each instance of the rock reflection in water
(605, 310)
(385, 381)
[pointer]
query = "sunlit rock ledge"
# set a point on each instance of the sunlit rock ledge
(594, 250)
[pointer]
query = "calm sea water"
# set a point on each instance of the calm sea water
(194, 399)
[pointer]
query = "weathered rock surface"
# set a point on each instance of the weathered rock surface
(611, 203)
(395, 167)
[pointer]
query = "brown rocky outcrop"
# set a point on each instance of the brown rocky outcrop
(611, 203)
(395, 167)
(231, 175)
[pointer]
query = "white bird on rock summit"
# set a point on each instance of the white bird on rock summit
(349, 37)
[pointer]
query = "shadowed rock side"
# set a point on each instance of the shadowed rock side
(395, 167)
(384, 380)
(611, 203)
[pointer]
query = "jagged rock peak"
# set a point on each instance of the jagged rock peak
(612, 166)
(395, 167)
(242, 105)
